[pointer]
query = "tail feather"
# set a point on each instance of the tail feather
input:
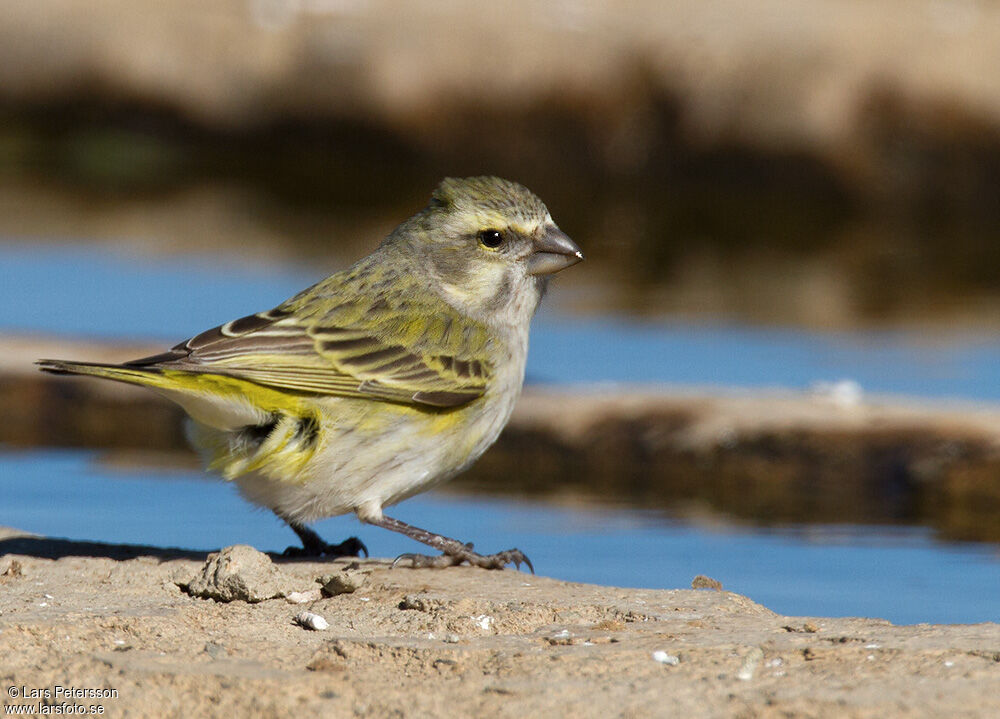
(121, 373)
(212, 399)
(240, 427)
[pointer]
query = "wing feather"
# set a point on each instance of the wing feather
(275, 349)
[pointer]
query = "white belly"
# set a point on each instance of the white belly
(358, 471)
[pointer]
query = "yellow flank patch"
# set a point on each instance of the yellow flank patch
(269, 400)
(282, 455)
(443, 423)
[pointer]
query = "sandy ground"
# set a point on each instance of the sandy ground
(455, 642)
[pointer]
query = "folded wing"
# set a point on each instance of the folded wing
(346, 359)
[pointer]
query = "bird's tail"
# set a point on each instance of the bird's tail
(239, 426)
(120, 373)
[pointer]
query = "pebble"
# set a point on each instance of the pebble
(235, 573)
(344, 582)
(311, 620)
(417, 603)
(663, 658)
(750, 662)
(563, 637)
(313, 595)
(484, 622)
(704, 582)
(14, 569)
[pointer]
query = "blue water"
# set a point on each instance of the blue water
(900, 575)
(97, 293)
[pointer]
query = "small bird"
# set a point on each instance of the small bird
(378, 382)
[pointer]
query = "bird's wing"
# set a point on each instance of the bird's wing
(339, 354)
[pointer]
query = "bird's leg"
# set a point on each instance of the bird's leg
(314, 546)
(455, 552)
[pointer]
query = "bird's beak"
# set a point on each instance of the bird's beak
(553, 251)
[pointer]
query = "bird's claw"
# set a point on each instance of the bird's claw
(488, 561)
(350, 547)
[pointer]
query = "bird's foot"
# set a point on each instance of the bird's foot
(351, 547)
(455, 552)
(452, 559)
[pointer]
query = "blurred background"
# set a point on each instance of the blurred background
(777, 198)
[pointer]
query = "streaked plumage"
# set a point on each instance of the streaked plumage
(381, 380)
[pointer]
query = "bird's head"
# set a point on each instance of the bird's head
(490, 245)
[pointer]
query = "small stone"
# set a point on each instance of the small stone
(416, 603)
(450, 638)
(344, 582)
(13, 569)
(313, 595)
(236, 573)
(611, 625)
(561, 638)
(326, 664)
(311, 620)
(750, 662)
(663, 658)
(810, 628)
(216, 651)
(598, 640)
(703, 582)
(484, 622)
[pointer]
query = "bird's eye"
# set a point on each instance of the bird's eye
(491, 238)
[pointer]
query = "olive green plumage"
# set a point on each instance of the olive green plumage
(380, 380)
